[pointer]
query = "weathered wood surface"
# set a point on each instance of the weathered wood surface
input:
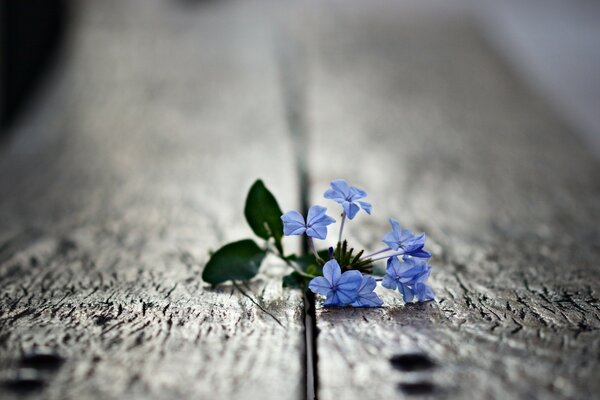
(424, 117)
(135, 164)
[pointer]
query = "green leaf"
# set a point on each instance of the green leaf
(234, 261)
(309, 264)
(294, 281)
(314, 270)
(263, 213)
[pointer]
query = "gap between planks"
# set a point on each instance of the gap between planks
(291, 58)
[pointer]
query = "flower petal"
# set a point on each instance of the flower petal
(318, 220)
(293, 223)
(366, 206)
(391, 240)
(356, 193)
(420, 253)
(324, 220)
(407, 292)
(341, 186)
(394, 268)
(409, 270)
(320, 285)
(349, 280)
(395, 225)
(412, 244)
(347, 296)
(314, 213)
(369, 300)
(293, 216)
(293, 230)
(367, 285)
(351, 209)
(347, 286)
(334, 195)
(389, 283)
(332, 271)
(423, 275)
(317, 232)
(423, 292)
(332, 299)
(366, 296)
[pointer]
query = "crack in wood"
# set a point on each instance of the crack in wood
(257, 304)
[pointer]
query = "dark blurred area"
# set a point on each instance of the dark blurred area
(551, 44)
(32, 33)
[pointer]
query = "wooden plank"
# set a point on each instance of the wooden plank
(422, 115)
(133, 165)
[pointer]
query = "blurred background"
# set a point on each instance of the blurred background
(553, 45)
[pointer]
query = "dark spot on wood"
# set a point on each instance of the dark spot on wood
(65, 246)
(416, 388)
(101, 320)
(42, 358)
(412, 362)
(25, 380)
(4, 338)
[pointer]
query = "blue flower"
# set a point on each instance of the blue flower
(339, 289)
(403, 239)
(409, 278)
(315, 225)
(366, 295)
(348, 197)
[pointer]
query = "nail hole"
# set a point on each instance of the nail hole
(102, 320)
(412, 362)
(416, 388)
(25, 380)
(65, 246)
(42, 358)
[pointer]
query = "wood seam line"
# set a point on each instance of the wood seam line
(292, 74)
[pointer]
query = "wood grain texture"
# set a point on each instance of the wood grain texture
(422, 115)
(135, 164)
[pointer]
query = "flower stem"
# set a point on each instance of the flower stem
(375, 253)
(311, 246)
(342, 226)
(292, 265)
(398, 253)
(298, 270)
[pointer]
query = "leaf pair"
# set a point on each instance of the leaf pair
(241, 260)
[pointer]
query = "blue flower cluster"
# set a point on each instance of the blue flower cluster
(407, 268)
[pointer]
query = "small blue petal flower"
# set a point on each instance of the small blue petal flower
(348, 197)
(409, 278)
(366, 295)
(403, 239)
(339, 289)
(411, 270)
(315, 226)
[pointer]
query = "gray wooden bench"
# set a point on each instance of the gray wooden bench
(135, 161)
